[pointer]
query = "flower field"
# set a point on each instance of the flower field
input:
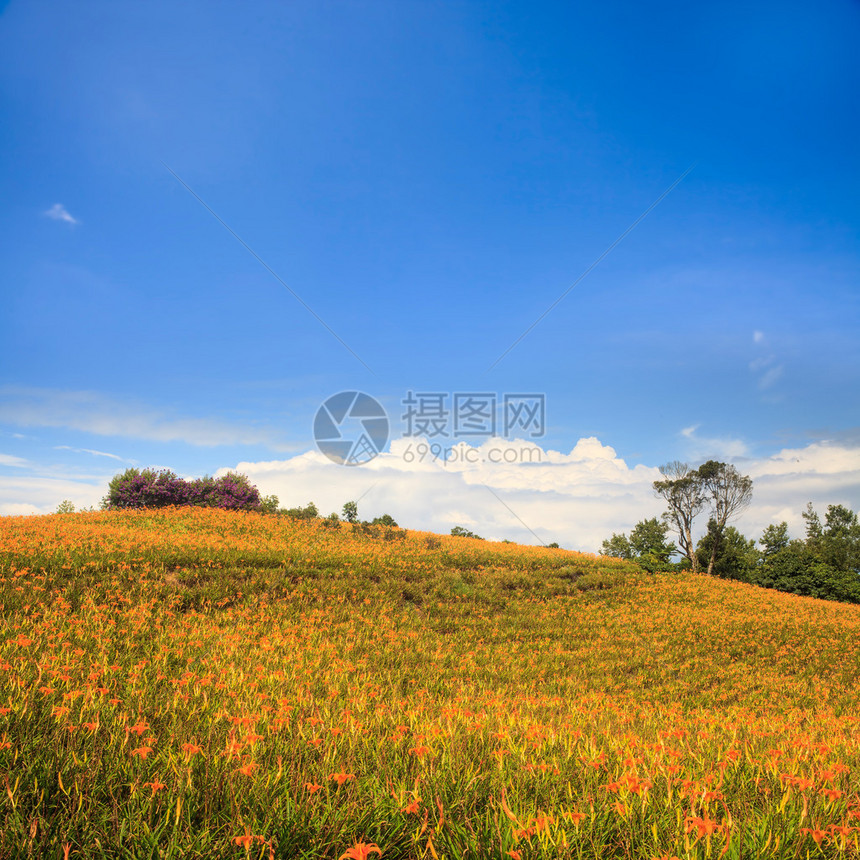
(197, 683)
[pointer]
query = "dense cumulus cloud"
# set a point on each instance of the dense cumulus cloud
(519, 491)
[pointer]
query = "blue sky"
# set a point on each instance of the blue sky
(429, 178)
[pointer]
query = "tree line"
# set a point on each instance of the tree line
(825, 564)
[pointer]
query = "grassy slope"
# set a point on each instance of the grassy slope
(173, 681)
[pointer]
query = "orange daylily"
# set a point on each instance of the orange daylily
(143, 752)
(361, 851)
(704, 826)
(341, 778)
(816, 833)
(245, 841)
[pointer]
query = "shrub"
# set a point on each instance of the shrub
(236, 492)
(462, 531)
(157, 489)
(309, 512)
(147, 489)
(384, 520)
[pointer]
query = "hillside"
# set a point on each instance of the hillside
(196, 683)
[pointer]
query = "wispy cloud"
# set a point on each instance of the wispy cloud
(709, 447)
(40, 494)
(10, 460)
(765, 366)
(770, 376)
(59, 213)
(93, 412)
(89, 451)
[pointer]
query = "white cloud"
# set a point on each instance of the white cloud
(575, 498)
(91, 412)
(758, 336)
(59, 213)
(10, 460)
(578, 498)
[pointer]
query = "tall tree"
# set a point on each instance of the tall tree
(728, 493)
(682, 491)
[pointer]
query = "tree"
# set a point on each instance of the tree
(836, 543)
(729, 493)
(309, 512)
(618, 546)
(714, 485)
(648, 540)
(65, 507)
(841, 538)
(646, 545)
(826, 565)
(683, 493)
(774, 539)
(784, 564)
(813, 525)
(350, 512)
(728, 553)
(384, 520)
(461, 531)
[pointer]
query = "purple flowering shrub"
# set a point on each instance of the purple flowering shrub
(156, 489)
